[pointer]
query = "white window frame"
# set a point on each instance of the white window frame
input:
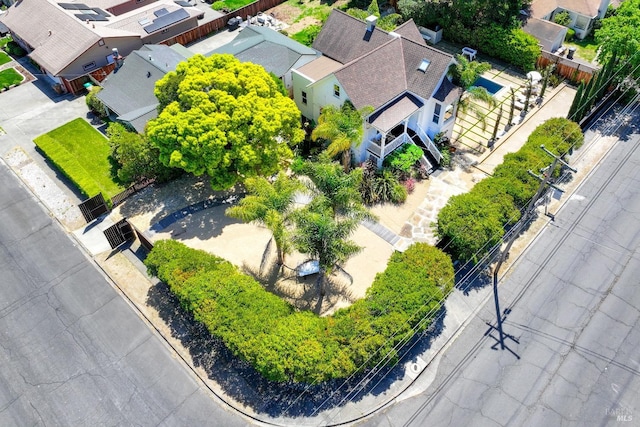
(336, 90)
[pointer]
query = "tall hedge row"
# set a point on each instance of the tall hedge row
(473, 222)
(284, 344)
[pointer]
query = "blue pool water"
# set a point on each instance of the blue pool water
(491, 86)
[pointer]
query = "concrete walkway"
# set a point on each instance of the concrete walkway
(473, 166)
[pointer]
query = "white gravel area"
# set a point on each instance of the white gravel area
(45, 189)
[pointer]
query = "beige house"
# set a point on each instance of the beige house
(70, 41)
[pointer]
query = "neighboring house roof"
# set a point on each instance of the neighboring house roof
(387, 64)
(56, 37)
(129, 90)
(542, 8)
(276, 52)
(319, 68)
(59, 34)
(546, 32)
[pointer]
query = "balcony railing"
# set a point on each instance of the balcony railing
(381, 152)
(429, 144)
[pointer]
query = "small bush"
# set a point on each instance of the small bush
(403, 158)
(218, 5)
(14, 49)
(571, 33)
(562, 18)
(94, 104)
(409, 184)
(308, 35)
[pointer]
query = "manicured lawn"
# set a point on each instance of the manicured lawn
(9, 77)
(586, 49)
(82, 154)
(4, 58)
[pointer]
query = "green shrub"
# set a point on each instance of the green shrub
(94, 104)
(288, 345)
(513, 46)
(562, 18)
(403, 158)
(14, 49)
(474, 222)
(218, 5)
(571, 33)
(308, 35)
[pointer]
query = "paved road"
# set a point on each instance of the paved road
(72, 351)
(575, 314)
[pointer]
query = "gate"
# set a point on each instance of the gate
(93, 207)
(119, 233)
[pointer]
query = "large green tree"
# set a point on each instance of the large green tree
(136, 158)
(619, 36)
(343, 128)
(271, 204)
(224, 118)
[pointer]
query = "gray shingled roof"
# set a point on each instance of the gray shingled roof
(546, 32)
(57, 38)
(275, 52)
(128, 91)
(385, 69)
(447, 93)
(389, 116)
(410, 31)
(344, 38)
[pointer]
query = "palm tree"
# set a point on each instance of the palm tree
(464, 74)
(271, 205)
(322, 237)
(342, 127)
(340, 189)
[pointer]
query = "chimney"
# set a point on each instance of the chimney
(371, 22)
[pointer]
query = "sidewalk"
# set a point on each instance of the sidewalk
(406, 380)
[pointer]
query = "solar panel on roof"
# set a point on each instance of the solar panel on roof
(73, 6)
(87, 17)
(166, 20)
(161, 12)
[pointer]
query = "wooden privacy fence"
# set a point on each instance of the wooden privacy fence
(568, 68)
(121, 197)
(217, 24)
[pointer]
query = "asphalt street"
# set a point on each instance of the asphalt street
(574, 318)
(72, 351)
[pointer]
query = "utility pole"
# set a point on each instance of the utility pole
(544, 181)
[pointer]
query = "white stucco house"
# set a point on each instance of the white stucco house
(396, 73)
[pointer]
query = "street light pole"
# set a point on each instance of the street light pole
(518, 228)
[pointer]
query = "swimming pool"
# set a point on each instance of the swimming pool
(491, 86)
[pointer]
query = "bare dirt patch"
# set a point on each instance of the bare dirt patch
(302, 24)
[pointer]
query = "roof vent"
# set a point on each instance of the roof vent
(424, 65)
(371, 22)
